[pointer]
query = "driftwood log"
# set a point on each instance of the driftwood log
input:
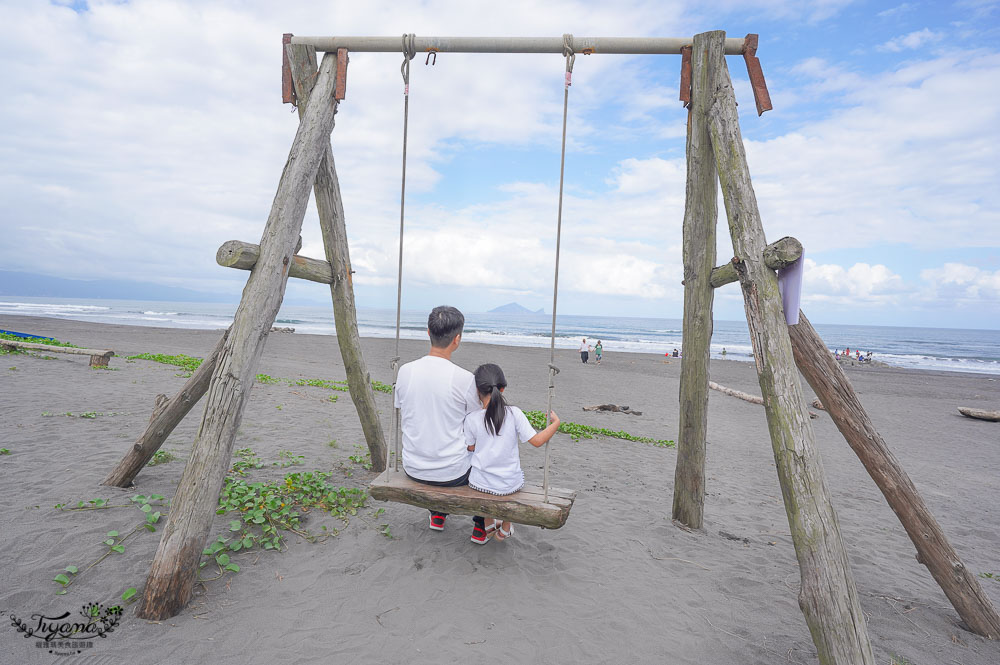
(747, 397)
(330, 206)
(167, 414)
(828, 597)
(173, 572)
(979, 414)
(243, 256)
(98, 357)
(739, 394)
(830, 382)
(614, 408)
(526, 506)
(699, 228)
(779, 254)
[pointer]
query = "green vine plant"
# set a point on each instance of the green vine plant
(578, 431)
(262, 512)
(38, 340)
(247, 459)
(286, 459)
(161, 457)
(113, 540)
(361, 457)
(191, 363)
(188, 363)
(88, 415)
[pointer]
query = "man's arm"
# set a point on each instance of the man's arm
(472, 402)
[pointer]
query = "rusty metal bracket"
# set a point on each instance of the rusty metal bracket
(685, 95)
(287, 88)
(340, 91)
(756, 74)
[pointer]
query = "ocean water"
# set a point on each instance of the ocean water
(919, 348)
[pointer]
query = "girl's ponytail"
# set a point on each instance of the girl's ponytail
(489, 381)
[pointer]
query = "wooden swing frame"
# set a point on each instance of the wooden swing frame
(715, 153)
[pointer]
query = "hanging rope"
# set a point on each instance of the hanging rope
(570, 55)
(409, 52)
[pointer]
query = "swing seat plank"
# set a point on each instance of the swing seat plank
(527, 506)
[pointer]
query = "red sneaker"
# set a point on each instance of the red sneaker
(437, 522)
(479, 536)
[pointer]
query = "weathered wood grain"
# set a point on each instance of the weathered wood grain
(979, 414)
(739, 394)
(700, 216)
(831, 384)
(98, 357)
(779, 254)
(527, 506)
(330, 206)
(827, 596)
(165, 417)
(243, 256)
(172, 574)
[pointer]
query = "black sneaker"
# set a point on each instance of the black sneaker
(437, 522)
(479, 536)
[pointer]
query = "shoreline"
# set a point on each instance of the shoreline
(938, 349)
(618, 583)
(45, 323)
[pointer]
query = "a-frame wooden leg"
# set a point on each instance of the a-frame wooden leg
(330, 206)
(164, 420)
(175, 566)
(830, 382)
(700, 214)
(827, 596)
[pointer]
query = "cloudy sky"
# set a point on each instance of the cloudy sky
(139, 136)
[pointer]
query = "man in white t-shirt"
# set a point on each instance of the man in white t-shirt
(433, 396)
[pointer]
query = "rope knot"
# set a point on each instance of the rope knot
(570, 54)
(409, 53)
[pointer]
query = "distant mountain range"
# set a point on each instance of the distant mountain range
(515, 308)
(42, 286)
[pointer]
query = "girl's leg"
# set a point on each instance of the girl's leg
(505, 530)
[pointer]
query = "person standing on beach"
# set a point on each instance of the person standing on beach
(584, 351)
(433, 396)
(598, 350)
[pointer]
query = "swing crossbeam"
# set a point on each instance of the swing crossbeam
(584, 45)
(528, 506)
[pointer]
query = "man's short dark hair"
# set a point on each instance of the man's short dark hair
(444, 324)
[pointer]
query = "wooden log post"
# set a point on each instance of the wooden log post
(165, 418)
(98, 357)
(827, 596)
(700, 216)
(172, 575)
(831, 384)
(330, 206)
(779, 254)
(243, 256)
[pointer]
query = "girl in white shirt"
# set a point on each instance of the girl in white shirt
(492, 436)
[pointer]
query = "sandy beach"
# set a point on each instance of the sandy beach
(618, 584)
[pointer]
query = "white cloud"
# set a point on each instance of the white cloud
(140, 136)
(956, 282)
(861, 284)
(898, 161)
(898, 9)
(911, 41)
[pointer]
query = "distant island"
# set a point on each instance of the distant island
(515, 308)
